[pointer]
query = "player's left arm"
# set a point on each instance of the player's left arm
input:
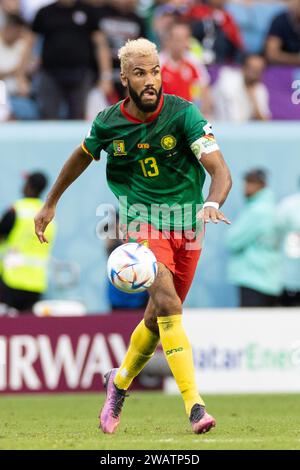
(220, 186)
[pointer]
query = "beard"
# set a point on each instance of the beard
(137, 99)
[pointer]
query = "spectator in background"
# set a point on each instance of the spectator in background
(14, 64)
(239, 94)
(2, 17)
(182, 75)
(164, 17)
(217, 31)
(71, 43)
(252, 242)
(283, 41)
(164, 14)
(7, 7)
(24, 267)
(249, 2)
(119, 22)
(10, 7)
(96, 3)
(5, 111)
(288, 216)
(29, 8)
(253, 18)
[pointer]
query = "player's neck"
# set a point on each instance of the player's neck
(135, 112)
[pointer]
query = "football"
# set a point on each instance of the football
(132, 267)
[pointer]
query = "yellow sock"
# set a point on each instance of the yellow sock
(178, 351)
(143, 343)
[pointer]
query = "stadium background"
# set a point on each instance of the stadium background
(236, 351)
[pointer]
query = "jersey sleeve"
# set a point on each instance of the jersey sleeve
(198, 132)
(92, 144)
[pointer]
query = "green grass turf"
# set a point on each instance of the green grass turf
(149, 421)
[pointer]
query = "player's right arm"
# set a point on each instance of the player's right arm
(72, 169)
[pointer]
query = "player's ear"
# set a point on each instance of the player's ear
(124, 80)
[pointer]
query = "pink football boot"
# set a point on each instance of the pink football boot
(200, 420)
(111, 411)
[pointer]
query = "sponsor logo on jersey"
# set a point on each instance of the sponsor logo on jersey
(119, 147)
(168, 142)
(172, 351)
(143, 146)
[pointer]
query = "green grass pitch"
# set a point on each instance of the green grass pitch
(149, 421)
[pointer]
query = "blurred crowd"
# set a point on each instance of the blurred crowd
(58, 60)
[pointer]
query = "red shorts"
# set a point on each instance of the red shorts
(178, 251)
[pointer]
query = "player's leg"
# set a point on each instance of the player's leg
(143, 343)
(145, 337)
(186, 260)
(173, 338)
(142, 346)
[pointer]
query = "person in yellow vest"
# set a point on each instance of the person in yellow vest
(23, 268)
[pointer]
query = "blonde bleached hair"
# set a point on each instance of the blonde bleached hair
(137, 47)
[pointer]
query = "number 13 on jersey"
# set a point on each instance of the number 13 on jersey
(149, 167)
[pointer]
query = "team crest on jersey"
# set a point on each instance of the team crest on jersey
(119, 147)
(168, 142)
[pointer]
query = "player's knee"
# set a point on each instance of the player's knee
(151, 323)
(167, 305)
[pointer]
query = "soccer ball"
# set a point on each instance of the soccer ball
(132, 267)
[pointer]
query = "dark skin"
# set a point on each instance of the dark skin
(72, 169)
(252, 187)
(274, 52)
(144, 76)
(29, 191)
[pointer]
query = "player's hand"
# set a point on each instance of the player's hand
(42, 220)
(210, 214)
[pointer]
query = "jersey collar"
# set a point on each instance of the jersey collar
(131, 118)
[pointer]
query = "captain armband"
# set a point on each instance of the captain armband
(205, 144)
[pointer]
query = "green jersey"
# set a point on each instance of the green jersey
(153, 166)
